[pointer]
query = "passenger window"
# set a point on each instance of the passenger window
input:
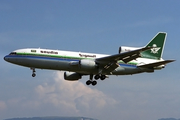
(33, 50)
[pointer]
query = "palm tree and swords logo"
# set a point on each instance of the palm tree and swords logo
(155, 49)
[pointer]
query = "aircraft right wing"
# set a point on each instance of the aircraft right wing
(125, 57)
(109, 63)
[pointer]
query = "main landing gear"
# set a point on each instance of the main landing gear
(96, 77)
(33, 72)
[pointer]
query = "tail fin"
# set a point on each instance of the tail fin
(158, 43)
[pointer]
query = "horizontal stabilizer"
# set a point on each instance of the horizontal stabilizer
(156, 64)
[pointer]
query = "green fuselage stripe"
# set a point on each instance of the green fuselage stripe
(66, 57)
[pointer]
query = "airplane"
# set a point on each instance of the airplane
(128, 61)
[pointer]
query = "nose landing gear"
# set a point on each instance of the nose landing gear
(33, 72)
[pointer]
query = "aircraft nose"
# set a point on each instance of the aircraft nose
(6, 58)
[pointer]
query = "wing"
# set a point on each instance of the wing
(125, 57)
(110, 63)
(156, 64)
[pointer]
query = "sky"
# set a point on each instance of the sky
(100, 26)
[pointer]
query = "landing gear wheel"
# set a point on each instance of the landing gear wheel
(91, 81)
(33, 75)
(33, 72)
(94, 83)
(96, 77)
(103, 77)
(88, 82)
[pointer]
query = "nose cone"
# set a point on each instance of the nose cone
(11, 59)
(5, 58)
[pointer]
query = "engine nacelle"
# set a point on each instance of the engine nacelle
(123, 49)
(159, 67)
(87, 64)
(72, 76)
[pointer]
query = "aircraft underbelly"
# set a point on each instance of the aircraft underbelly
(49, 63)
(126, 70)
(66, 65)
(39, 62)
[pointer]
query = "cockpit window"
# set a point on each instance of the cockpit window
(12, 53)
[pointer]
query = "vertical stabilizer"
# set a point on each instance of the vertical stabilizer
(158, 43)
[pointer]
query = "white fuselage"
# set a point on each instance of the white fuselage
(69, 61)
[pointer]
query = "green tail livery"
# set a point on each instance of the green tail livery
(158, 43)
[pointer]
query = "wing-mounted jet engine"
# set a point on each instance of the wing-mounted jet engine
(72, 76)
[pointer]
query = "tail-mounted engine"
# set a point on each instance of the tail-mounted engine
(123, 49)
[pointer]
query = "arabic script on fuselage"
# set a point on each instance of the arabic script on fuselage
(85, 55)
(49, 52)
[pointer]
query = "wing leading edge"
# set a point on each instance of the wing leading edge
(109, 63)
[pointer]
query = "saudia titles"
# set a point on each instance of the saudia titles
(84, 55)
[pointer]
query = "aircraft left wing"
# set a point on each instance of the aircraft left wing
(109, 63)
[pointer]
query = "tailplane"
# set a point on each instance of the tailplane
(157, 43)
